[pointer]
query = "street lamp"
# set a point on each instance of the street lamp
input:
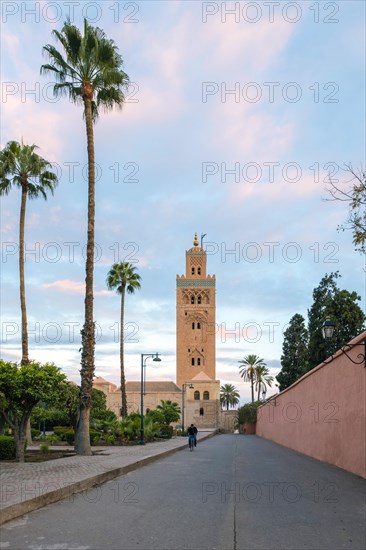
(191, 386)
(144, 357)
(264, 393)
(328, 331)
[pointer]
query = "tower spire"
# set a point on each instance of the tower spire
(195, 242)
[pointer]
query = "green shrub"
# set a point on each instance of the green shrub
(248, 412)
(129, 428)
(44, 448)
(105, 416)
(35, 433)
(52, 438)
(155, 415)
(69, 436)
(94, 437)
(166, 432)
(7, 447)
(61, 431)
(109, 439)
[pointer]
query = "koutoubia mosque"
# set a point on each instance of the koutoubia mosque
(196, 384)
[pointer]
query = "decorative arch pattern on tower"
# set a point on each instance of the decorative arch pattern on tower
(196, 354)
(193, 297)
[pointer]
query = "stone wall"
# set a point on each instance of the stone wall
(323, 414)
(227, 421)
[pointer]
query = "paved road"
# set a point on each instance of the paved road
(231, 493)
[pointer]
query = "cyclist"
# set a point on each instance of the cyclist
(192, 435)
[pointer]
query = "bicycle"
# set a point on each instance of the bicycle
(191, 442)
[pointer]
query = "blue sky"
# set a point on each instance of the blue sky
(246, 167)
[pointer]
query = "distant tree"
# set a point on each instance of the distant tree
(229, 396)
(248, 413)
(65, 407)
(341, 307)
(248, 368)
(294, 359)
(355, 196)
(22, 167)
(21, 389)
(262, 379)
(170, 410)
(156, 416)
(122, 277)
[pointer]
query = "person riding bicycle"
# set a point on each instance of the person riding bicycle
(192, 434)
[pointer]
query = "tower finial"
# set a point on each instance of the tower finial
(195, 242)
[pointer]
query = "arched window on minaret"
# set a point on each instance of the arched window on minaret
(199, 299)
(198, 326)
(198, 361)
(193, 326)
(192, 299)
(192, 361)
(198, 271)
(192, 270)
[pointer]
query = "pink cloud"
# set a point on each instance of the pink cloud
(73, 287)
(65, 285)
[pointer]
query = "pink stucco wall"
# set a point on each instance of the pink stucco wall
(323, 414)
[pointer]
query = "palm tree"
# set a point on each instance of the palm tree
(89, 71)
(122, 277)
(248, 369)
(170, 409)
(21, 166)
(262, 379)
(229, 396)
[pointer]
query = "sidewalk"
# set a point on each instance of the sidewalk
(29, 486)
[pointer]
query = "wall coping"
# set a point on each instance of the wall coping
(358, 339)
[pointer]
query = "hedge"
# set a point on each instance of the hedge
(7, 447)
(166, 432)
(70, 436)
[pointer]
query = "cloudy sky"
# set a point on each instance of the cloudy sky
(236, 115)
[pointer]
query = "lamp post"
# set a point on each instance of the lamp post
(191, 386)
(264, 393)
(44, 419)
(328, 331)
(144, 357)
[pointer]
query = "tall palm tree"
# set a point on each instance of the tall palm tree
(262, 379)
(248, 368)
(21, 166)
(89, 70)
(229, 396)
(122, 277)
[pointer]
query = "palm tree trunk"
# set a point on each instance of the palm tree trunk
(25, 358)
(82, 441)
(252, 385)
(122, 357)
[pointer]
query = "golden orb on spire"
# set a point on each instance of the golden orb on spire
(195, 242)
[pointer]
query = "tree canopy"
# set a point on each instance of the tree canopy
(22, 387)
(294, 359)
(355, 197)
(229, 396)
(341, 306)
(170, 411)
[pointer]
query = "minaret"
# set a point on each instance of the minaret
(196, 314)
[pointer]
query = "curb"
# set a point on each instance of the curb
(19, 509)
